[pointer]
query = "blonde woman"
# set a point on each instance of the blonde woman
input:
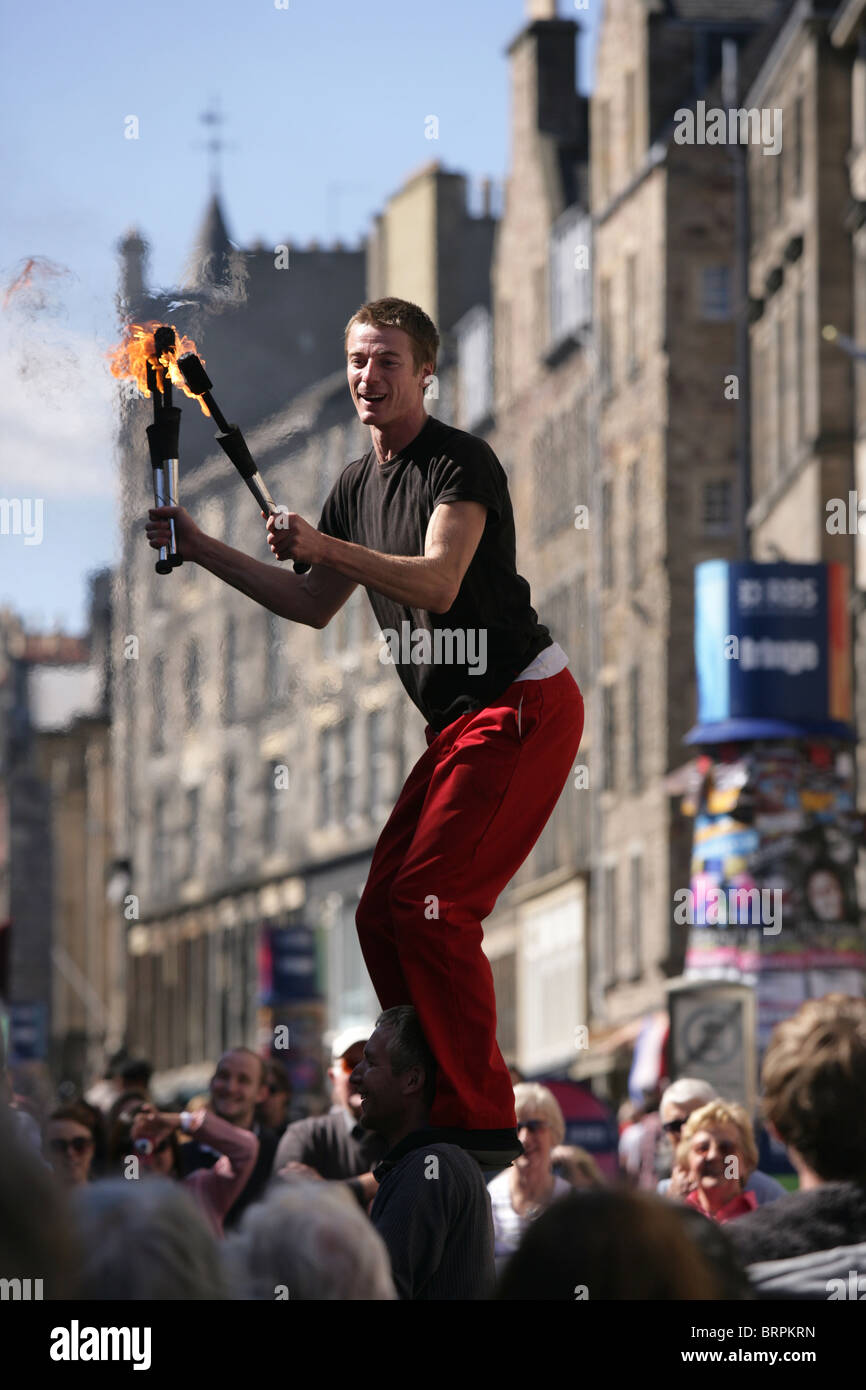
(715, 1157)
(522, 1192)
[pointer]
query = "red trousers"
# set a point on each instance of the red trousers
(471, 809)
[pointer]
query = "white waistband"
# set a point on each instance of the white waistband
(548, 663)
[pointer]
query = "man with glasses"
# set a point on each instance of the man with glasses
(677, 1103)
(335, 1146)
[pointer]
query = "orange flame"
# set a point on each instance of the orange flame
(129, 361)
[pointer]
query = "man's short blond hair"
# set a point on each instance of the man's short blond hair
(400, 313)
(814, 1084)
(714, 1115)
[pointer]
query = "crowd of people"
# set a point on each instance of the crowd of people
(233, 1198)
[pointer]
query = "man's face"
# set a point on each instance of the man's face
(340, 1072)
(382, 1097)
(673, 1117)
(237, 1087)
(383, 380)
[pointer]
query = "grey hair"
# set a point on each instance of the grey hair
(532, 1099)
(145, 1239)
(689, 1090)
(407, 1046)
(309, 1240)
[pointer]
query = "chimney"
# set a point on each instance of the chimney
(133, 255)
(548, 44)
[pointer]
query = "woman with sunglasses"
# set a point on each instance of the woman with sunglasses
(69, 1143)
(522, 1192)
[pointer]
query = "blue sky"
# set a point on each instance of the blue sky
(324, 106)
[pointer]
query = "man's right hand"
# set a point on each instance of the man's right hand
(188, 535)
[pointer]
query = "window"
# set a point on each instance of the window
(635, 914)
(231, 818)
(160, 845)
(554, 479)
(229, 670)
(602, 144)
(634, 714)
(275, 788)
(157, 728)
(276, 669)
(377, 760)
(475, 366)
(778, 185)
(780, 397)
(715, 293)
(797, 177)
(631, 290)
(634, 527)
(192, 685)
(717, 507)
(504, 351)
(193, 831)
(800, 338)
(605, 328)
(609, 716)
(328, 773)
(631, 120)
(570, 274)
(610, 935)
(607, 565)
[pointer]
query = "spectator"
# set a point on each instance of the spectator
(609, 1244)
(215, 1188)
(69, 1142)
(576, 1166)
(145, 1241)
(639, 1144)
(35, 1238)
(237, 1087)
(715, 1156)
(431, 1208)
(814, 1086)
(309, 1241)
(135, 1075)
(678, 1102)
(336, 1145)
(104, 1093)
(273, 1111)
(520, 1193)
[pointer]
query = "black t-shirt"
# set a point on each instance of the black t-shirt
(450, 663)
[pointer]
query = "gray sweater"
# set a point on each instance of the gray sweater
(433, 1213)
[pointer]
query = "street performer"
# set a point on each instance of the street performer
(424, 521)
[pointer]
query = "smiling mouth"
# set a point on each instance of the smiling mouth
(372, 399)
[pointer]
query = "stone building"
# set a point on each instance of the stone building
(64, 955)
(664, 466)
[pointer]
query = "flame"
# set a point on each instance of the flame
(34, 270)
(129, 360)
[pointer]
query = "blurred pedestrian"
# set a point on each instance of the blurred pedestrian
(609, 1244)
(153, 1141)
(237, 1087)
(814, 1099)
(336, 1146)
(678, 1102)
(273, 1111)
(521, 1193)
(576, 1166)
(431, 1208)
(309, 1241)
(715, 1157)
(69, 1142)
(145, 1241)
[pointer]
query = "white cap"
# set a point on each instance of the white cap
(349, 1037)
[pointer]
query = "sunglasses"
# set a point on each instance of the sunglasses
(532, 1125)
(78, 1145)
(673, 1126)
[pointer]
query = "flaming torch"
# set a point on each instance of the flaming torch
(147, 357)
(230, 439)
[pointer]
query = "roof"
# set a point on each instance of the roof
(718, 11)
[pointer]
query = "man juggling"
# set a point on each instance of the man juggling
(424, 522)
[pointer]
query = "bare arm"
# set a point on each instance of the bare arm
(312, 598)
(430, 581)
